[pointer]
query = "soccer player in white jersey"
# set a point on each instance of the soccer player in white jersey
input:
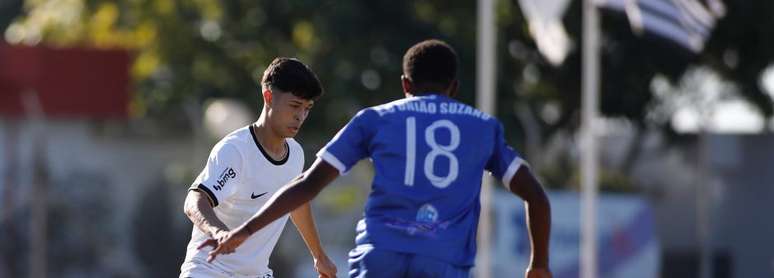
(247, 167)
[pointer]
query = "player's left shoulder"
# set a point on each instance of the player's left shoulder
(295, 153)
(292, 143)
(294, 146)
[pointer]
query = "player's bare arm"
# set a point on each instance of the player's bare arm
(538, 210)
(199, 209)
(304, 221)
(288, 198)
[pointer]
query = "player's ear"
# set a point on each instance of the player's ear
(406, 83)
(454, 87)
(267, 97)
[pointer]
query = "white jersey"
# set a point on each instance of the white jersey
(239, 178)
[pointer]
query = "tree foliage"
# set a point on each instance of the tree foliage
(190, 51)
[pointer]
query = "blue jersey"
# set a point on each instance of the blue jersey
(429, 154)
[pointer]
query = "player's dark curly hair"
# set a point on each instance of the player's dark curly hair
(292, 76)
(430, 65)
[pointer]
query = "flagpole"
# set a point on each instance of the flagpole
(589, 161)
(38, 241)
(485, 99)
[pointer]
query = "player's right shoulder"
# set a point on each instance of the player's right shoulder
(235, 142)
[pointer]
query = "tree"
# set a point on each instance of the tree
(195, 50)
(190, 51)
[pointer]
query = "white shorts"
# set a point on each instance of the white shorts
(203, 272)
(191, 270)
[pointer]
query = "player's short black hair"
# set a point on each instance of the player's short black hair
(430, 64)
(293, 76)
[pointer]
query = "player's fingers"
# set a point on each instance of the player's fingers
(224, 248)
(210, 242)
(214, 253)
(326, 273)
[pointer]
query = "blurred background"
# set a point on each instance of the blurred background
(108, 110)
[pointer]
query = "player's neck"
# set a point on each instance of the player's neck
(269, 139)
(429, 93)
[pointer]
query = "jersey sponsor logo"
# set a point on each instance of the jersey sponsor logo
(224, 177)
(427, 214)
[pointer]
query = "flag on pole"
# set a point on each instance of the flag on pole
(687, 23)
(544, 18)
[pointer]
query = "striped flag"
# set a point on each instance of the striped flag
(687, 23)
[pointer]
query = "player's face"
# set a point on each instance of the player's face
(288, 113)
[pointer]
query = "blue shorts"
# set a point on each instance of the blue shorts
(365, 261)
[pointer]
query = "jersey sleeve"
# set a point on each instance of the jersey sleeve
(504, 161)
(350, 144)
(217, 179)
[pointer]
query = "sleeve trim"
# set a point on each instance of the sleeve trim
(512, 168)
(331, 159)
(201, 188)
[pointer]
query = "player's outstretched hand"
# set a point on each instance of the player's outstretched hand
(224, 243)
(325, 267)
(213, 242)
(537, 273)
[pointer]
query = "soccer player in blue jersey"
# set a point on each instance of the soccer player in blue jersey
(429, 152)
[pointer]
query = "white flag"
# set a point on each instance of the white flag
(545, 24)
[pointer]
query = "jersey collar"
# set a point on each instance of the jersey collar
(266, 154)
